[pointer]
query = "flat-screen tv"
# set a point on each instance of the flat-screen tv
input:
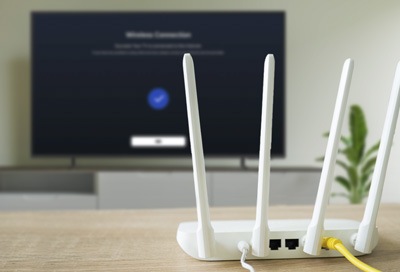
(111, 83)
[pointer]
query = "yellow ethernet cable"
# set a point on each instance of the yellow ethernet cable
(336, 244)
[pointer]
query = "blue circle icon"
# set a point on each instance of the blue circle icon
(158, 98)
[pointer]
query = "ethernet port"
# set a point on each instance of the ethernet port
(274, 244)
(291, 244)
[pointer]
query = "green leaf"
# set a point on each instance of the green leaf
(351, 155)
(368, 166)
(367, 187)
(371, 150)
(344, 182)
(342, 164)
(366, 176)
(346, 141)
(358, 130)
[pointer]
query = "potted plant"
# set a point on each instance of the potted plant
(355, 159)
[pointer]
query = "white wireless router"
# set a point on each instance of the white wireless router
(292, 238)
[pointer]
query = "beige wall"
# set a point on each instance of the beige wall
(321, 34)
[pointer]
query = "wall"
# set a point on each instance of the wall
(320, 36)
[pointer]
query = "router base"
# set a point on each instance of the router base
(285, 236)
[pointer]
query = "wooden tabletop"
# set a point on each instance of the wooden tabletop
(145, 240)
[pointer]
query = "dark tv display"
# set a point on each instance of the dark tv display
(111, 83)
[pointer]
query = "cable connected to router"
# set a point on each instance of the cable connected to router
(263, 238)
(336, 244)
(244, 247)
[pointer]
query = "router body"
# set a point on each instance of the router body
(283, 239)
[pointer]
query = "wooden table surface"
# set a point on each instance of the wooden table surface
(145, 240)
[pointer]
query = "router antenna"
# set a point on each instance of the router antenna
(260, 239)
(205, 232)
(313, 237)
(364, 241)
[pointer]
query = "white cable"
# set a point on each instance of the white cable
(243, 262)
(245, 248)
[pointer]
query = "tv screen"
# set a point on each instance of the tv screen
(111, 83)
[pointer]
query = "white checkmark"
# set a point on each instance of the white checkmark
(159, 98)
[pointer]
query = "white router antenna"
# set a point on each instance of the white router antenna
(260, 239)
(364, 242)
(315, 228)
(205, 232)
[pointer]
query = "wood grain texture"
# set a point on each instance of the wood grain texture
(145, 240)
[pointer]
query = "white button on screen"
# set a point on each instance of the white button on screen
(158, 141)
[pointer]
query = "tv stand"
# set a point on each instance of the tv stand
(27, 188)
